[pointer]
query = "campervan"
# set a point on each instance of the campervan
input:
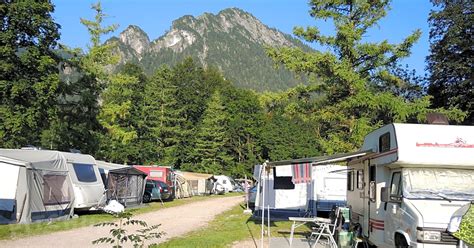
(285, 198)
(88, 187)
(408, 183)
(35, 186)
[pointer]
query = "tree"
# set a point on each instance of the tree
(162, 119)
(83, 79)
(451, 61)
(245, 129)
(211, 152)
(352, 75)
(29, 76)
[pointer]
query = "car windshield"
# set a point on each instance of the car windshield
(434, 183)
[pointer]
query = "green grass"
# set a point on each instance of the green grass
(15, 231)
(229, 227)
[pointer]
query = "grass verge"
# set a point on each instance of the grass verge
(230, 227)
(15, 231)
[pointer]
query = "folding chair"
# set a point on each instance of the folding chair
(326, 227)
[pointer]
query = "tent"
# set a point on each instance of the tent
(301, 172)
(123, 183)
(284, 197)
(35, 186)
(197, 181)
(182, 187)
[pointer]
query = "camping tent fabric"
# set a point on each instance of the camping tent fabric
(42, 189)
(124, 183)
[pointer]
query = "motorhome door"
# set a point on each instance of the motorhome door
(362, 185)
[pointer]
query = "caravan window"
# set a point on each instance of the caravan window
(55, 189)
(85, 173)
(157, 174)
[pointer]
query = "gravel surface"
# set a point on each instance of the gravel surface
(175, 221)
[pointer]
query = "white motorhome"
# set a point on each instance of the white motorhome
(86, 180)
(409, 181)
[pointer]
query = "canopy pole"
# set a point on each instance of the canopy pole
(262, 207)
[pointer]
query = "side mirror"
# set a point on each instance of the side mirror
(385, 194)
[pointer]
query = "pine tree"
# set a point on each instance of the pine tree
(29, 76)
(117, 117)
(354, 79)
(162, 119)
(211, 150)
(451, 61)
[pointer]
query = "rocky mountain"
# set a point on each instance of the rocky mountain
(233, 40)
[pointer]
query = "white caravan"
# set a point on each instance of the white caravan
(227, 183)
(86, 180)
(287, 199)
(404, 191)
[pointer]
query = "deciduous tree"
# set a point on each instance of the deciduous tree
(29, 75)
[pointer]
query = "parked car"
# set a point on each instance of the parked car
(155, 190)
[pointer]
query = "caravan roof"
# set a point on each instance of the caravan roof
(39, 159)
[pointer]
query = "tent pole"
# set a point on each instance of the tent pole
(268, 221)
(262, 207)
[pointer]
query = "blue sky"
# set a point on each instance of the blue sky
(156, 16)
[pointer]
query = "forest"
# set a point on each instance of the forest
(191, 118)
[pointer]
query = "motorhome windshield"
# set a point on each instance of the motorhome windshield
(434, 183)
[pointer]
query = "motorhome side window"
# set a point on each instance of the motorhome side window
(384, 142)
(283, 182)
(395, 186)
(360, 179)
(350, 180)
(85, 173)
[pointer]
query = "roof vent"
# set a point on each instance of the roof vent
(437, 119)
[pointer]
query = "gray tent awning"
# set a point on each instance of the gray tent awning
(322, 159)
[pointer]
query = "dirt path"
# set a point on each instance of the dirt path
(175, 221)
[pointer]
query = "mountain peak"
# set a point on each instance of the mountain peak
(136, 38)
(232, 39)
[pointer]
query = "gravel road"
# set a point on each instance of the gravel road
(175, 221)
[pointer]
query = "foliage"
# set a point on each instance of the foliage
(452, 58)
(355, 79)
(29, 76)
(162, 119)
(210, 152)
(119, 235)
(84, 77)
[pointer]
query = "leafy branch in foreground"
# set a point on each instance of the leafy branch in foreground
(119, 235)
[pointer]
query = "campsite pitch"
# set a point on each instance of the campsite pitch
(175, 221)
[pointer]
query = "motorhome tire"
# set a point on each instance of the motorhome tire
(400, 241)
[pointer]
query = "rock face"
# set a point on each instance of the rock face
(136, 39)
(233, 40)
